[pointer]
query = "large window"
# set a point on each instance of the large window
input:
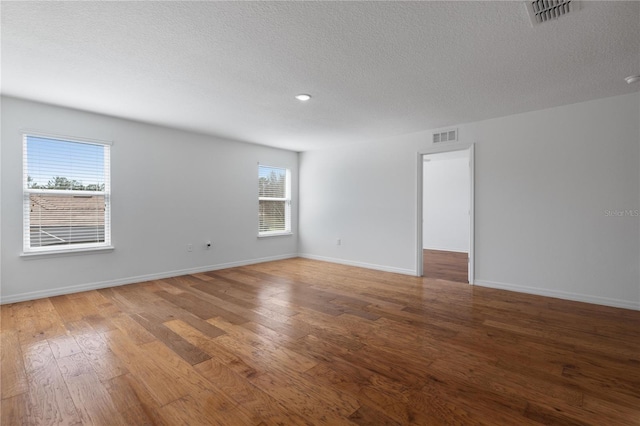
(66, 187)
(274, 199)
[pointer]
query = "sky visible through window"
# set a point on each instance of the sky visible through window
(265, 171)
(271, 181)
(49, 158)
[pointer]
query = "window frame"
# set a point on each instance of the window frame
(287, 202)
(71, 248)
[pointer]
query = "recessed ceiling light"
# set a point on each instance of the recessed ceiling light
(303, 97)
(632, 79)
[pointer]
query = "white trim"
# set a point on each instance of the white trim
(274, 234)
(287, 200)
(419, 216)
(50, 252)
(419, 196)
(578, 297)
(21, 297)
(617, 303)
(28, 250)
(359, 264)
(48, 135)
(472, 215)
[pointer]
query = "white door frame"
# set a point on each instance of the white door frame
(420, 197)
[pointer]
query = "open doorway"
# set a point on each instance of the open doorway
(447, 216)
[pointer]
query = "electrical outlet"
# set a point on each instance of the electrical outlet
(339, 242)
(189, 247)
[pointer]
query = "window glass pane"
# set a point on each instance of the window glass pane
(66, 219)
(272, 215)
(56, 164)
(66, 198)
(272, 182)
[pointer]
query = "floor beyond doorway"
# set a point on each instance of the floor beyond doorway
(446, 265)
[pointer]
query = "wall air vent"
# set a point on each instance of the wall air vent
(446, 136)
(545, 10)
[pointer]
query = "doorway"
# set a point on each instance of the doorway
(446, 215)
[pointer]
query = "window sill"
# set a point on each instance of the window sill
(67, 252)
(274, 234)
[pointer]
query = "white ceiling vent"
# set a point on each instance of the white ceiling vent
(545, 10)
(446, 136)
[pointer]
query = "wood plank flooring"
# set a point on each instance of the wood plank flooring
(302, 342)
(445, 265)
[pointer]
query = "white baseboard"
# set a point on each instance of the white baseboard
(578, 297)
(446, 249)
(598, 300)
(360, 264)
(21, 297)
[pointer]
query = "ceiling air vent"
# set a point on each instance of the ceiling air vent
(446, 136)
(545, 10)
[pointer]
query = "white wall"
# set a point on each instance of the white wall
(169, 188)
(446, 195)
(544, 182)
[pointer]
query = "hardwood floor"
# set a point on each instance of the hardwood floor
(302, 342)
(446, 265)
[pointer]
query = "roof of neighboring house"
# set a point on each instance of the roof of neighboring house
(66, 210)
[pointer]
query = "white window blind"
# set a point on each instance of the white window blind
(274, 199)
(66, 194)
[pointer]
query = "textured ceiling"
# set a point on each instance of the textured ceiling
(375, 69)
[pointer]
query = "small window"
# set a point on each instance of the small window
(274, 199)
(66, 194)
